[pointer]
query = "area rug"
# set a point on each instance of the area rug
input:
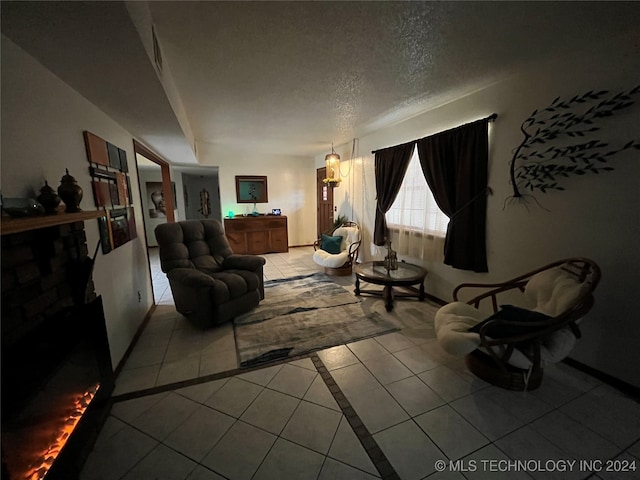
(302, 314)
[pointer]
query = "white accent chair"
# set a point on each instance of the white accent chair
(511, 348)
(340, 259)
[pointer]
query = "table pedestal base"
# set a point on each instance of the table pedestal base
(389, 293)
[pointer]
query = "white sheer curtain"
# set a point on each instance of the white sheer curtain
(416, 225)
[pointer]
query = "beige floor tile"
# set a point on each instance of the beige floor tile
(312, 426)
(289, 460)
(240, 452)
(409, 449)
(270, 411)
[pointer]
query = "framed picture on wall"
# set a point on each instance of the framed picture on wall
(251, 189)
(155, 195)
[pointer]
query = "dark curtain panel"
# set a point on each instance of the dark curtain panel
(454, 163)
(390, 167)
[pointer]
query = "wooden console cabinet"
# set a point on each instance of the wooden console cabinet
(257, 235)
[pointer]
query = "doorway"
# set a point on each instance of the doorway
(167, 189)
(158, 203)
(325, 202)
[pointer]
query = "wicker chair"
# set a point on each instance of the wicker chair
(511, 349)
(341, 261)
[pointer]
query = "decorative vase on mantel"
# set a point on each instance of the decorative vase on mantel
(70, 193)
(49, 199)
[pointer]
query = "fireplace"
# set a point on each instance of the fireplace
(57, 376)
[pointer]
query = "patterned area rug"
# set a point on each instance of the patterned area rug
(302, 314)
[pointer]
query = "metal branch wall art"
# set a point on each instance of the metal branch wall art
(557, 142)
(205, 205)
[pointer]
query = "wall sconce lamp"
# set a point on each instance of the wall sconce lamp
(332, 161)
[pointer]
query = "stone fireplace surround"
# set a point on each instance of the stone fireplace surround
(57, 375)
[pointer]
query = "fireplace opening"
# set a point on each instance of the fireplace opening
(57, 375)
(67, 376)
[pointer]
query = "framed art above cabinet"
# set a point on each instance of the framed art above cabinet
(251, 189)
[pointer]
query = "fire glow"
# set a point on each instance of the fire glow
(41, 461)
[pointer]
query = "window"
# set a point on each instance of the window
(415, 209)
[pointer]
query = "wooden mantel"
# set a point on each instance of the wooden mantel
(10, 225)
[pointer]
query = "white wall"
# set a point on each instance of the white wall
(598, 216)
(290, 182)
(43, 120)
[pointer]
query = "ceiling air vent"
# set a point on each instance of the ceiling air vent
(157, 55)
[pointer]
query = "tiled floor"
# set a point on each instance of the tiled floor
(417, 405)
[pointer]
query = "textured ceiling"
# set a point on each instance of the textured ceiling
(292, 77)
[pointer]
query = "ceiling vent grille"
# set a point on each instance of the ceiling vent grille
(157, 55)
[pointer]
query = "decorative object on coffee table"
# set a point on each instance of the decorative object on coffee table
(391, 260)
(70, 193)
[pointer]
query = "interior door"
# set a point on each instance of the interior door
(325, 202)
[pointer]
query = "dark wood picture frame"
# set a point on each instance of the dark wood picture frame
(251, 189)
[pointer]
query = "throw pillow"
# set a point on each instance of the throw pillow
(514, 314)
(331, 244)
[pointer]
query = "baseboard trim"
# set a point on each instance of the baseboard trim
(437, 300)
(134, 341)
(621, 385)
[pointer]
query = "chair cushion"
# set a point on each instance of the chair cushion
(181, 243)
(513, 314)
(236, 284)
(553, 291)
(250, 278)
(331, 244)
(452, 325)
(206, 263)
(349, 235)
(326, 259)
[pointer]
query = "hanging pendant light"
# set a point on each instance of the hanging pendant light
(332, 161)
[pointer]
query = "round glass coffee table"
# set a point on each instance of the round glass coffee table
(405, 277)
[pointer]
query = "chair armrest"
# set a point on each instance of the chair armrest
(353, 248)
(243, 262)
(495, 289)
(190, 277)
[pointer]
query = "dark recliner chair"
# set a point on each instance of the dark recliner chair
(210, 284)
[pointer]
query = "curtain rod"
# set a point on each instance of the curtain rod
(490, 118)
